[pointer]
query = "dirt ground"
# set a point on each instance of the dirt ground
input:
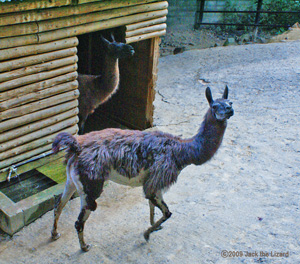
(244, 202)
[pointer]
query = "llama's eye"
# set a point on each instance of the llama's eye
(214, 107)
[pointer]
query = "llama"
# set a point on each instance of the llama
(152, 160)
(97, 89)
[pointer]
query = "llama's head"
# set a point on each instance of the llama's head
(116, 49)
(220, 108)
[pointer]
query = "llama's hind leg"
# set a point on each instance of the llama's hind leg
(88, 204)
(79, 225)
(60, 204)
(157, 201)
(152, 208)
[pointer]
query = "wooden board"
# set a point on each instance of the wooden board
(136, 100)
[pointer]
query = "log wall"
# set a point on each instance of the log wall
(38, 64)
(38, 98)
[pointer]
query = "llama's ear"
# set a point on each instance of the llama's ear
(112, 37)
(208, 95)
(225, 94)
(104, 40)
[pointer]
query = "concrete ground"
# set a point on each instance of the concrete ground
(240, 207)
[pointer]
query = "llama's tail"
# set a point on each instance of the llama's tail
(68, 140)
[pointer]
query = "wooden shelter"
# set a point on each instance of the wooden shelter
(42, 46)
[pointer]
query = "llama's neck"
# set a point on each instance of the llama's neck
(204, 144)
(109, 80)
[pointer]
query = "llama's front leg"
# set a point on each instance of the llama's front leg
(60, 204)
(152, 210)
(157, 201)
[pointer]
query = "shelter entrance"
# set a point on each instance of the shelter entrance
(131, 106)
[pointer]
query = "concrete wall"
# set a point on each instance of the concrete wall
(182, 12)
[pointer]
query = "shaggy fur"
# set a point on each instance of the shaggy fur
(97, 89)
(138, 158)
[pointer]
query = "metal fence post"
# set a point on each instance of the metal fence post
(199, 13)
(258, 9)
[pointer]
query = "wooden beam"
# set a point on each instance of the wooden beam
(64, 22)
(35, 87)
(145, 36)
(35, 96)
(42, 104)
(145, 30)
(78, 30)
(39, 115)
(18, 145)
(36, 77)
(24, 156)
(65, 11)
(8, 54)
(146, 23)
(19, 6)
(29, 128)
(58, 63)
(153, 70)
(34, 60)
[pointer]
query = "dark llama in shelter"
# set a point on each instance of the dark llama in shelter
(97, 89)
(136, 158)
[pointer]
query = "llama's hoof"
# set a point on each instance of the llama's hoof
(55, 236)
(147, 236)
(86, 247)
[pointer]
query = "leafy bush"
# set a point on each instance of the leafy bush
(238, 18)
(280, 19)
(265, 18)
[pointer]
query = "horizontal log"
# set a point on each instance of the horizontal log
(32, 88)
(146, 23)
(17, 144)
(39, 115)
(36, 77)
(35, 106)
(8, 54)
(25, 156)
(18, 41)
(110, 2)
(36, 59)
(29, 128)
(145, 36)
(145, 30)
(78, 30)
(42, 26)
(101, 25)
(42, 67)
(46, 14)
(31, 97)
(29, 5)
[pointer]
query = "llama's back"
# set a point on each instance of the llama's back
(129, 157)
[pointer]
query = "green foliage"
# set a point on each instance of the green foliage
(238, 18)
(282, 19)
(265, 18)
